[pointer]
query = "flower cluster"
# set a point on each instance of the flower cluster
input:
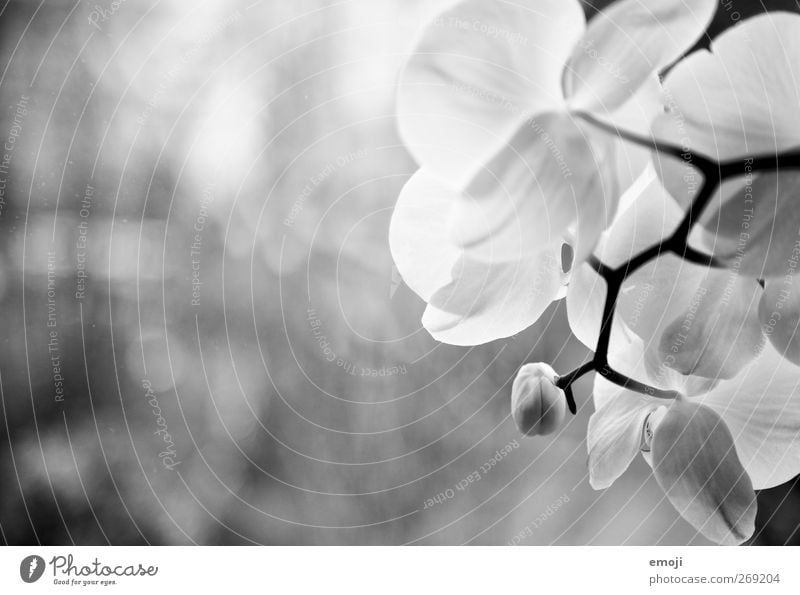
(674, 194)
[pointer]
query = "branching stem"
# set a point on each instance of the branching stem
(714, 174)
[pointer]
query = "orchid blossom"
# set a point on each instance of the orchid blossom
(709, 449)
(683, 281)
(735, 103)
(726, 416)
(718, 410)
(696, 318)
(499, 104)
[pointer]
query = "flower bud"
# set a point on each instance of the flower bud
(538, 406)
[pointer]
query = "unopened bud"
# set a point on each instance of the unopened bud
(538, 406)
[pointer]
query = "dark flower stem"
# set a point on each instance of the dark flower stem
(714, 173)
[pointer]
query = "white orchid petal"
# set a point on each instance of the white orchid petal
(779, 312)
(648, 297)
(752, 223)
(695, 462)
(615, 431)
(637, 116)
(701, 321)
(626, 43)
(418, 235)
(741, 98)
(681, 178)
(652, 216)
(470, 302)
(598, 209)
(614, 435)
(737, 101)
(485, 302)
(550, 175)
(718, 332)
(479, 70)
(586, 295)
(761, 407)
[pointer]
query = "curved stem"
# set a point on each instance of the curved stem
(714, 173)
(598, 266)
(567, 379)
(649, 142)
(619, 379)
(691, 255)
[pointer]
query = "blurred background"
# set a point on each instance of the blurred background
(204, 340)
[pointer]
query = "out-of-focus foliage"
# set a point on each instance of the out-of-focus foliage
(224, 174)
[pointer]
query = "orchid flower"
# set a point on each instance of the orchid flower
(697, 319)
(726, 419)
(533, 131)
(708, 451)
(507, 107)
(736, 103)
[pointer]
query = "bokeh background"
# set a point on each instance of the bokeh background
(204, 340)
